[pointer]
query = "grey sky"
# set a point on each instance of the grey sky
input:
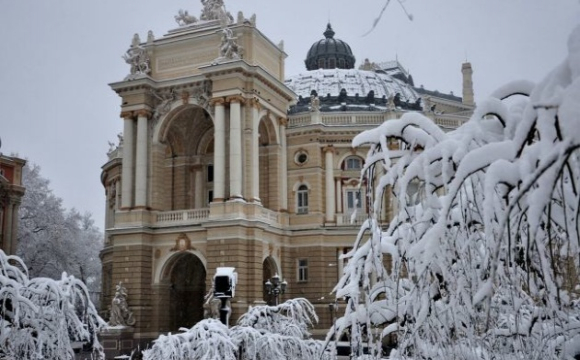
(58, 56)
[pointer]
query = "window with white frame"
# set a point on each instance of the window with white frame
(352, 200)
(353, 163)
(302, 200)
(302, 270)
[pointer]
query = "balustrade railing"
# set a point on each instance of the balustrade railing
(192, 216)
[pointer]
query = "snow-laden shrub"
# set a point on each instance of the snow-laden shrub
(264, 332)
(41, 317)
(483, 261)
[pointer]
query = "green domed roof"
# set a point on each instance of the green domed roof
(329, 53)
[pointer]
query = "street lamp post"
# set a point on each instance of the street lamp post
(275, 287)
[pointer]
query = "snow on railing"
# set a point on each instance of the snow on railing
(194, 216)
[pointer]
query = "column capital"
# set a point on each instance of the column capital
(217, 101)
(235, 98)
(127, 114)
(329, 149)
(282, 121)
(255, 103)
(143, 113)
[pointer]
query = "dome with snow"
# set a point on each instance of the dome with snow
(332, 78)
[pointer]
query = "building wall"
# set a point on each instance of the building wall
(143, 244)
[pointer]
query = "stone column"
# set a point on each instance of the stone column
(338, 195)
(219, 161)
(141, 161)
(235, 147)
(255, 159)
(283, 165)
(330, 195)
(198, 191)
(128, 160)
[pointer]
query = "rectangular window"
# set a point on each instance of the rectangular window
(210, 173)
(302, 270)
(353, 200)
(209, 196)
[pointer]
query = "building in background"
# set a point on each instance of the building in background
(11, 192)
(225, 162)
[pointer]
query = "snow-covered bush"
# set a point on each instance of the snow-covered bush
(483, 261)
(41, 317)
(264, 332)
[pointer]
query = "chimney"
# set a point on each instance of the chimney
(467, 72)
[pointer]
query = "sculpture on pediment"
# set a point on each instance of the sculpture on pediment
(229, 48)
(120, 313)
(216, 10)
(183, 18)
(138, 58)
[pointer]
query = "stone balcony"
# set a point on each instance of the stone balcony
(219, 213)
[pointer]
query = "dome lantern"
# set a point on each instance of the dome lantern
(329, 53)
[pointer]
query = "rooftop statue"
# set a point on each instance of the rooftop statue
(138, 58)
(212, 10)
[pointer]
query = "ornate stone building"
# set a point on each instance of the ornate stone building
(11, 192)
(225, 162)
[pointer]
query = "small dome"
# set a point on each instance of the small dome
(329, 53)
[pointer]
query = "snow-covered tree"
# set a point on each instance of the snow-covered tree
(482, 261)
(264, 332)
(51, 239)
(41, 317)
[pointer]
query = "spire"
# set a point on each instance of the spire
(329, 33)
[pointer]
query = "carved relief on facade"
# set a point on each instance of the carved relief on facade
(182, 243)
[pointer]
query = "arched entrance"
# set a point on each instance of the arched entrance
(186, 165)
(186, 274)
(269, 160)
(269, 269)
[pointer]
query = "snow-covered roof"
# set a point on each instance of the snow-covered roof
(361, 82)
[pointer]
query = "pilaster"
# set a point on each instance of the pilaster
(255, 155)
(329, 176)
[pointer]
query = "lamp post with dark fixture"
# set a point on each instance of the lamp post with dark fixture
(275, 287)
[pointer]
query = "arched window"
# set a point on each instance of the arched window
(302, 200)
(352, 163)
(331, 63)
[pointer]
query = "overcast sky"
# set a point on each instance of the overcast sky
(58, 56)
